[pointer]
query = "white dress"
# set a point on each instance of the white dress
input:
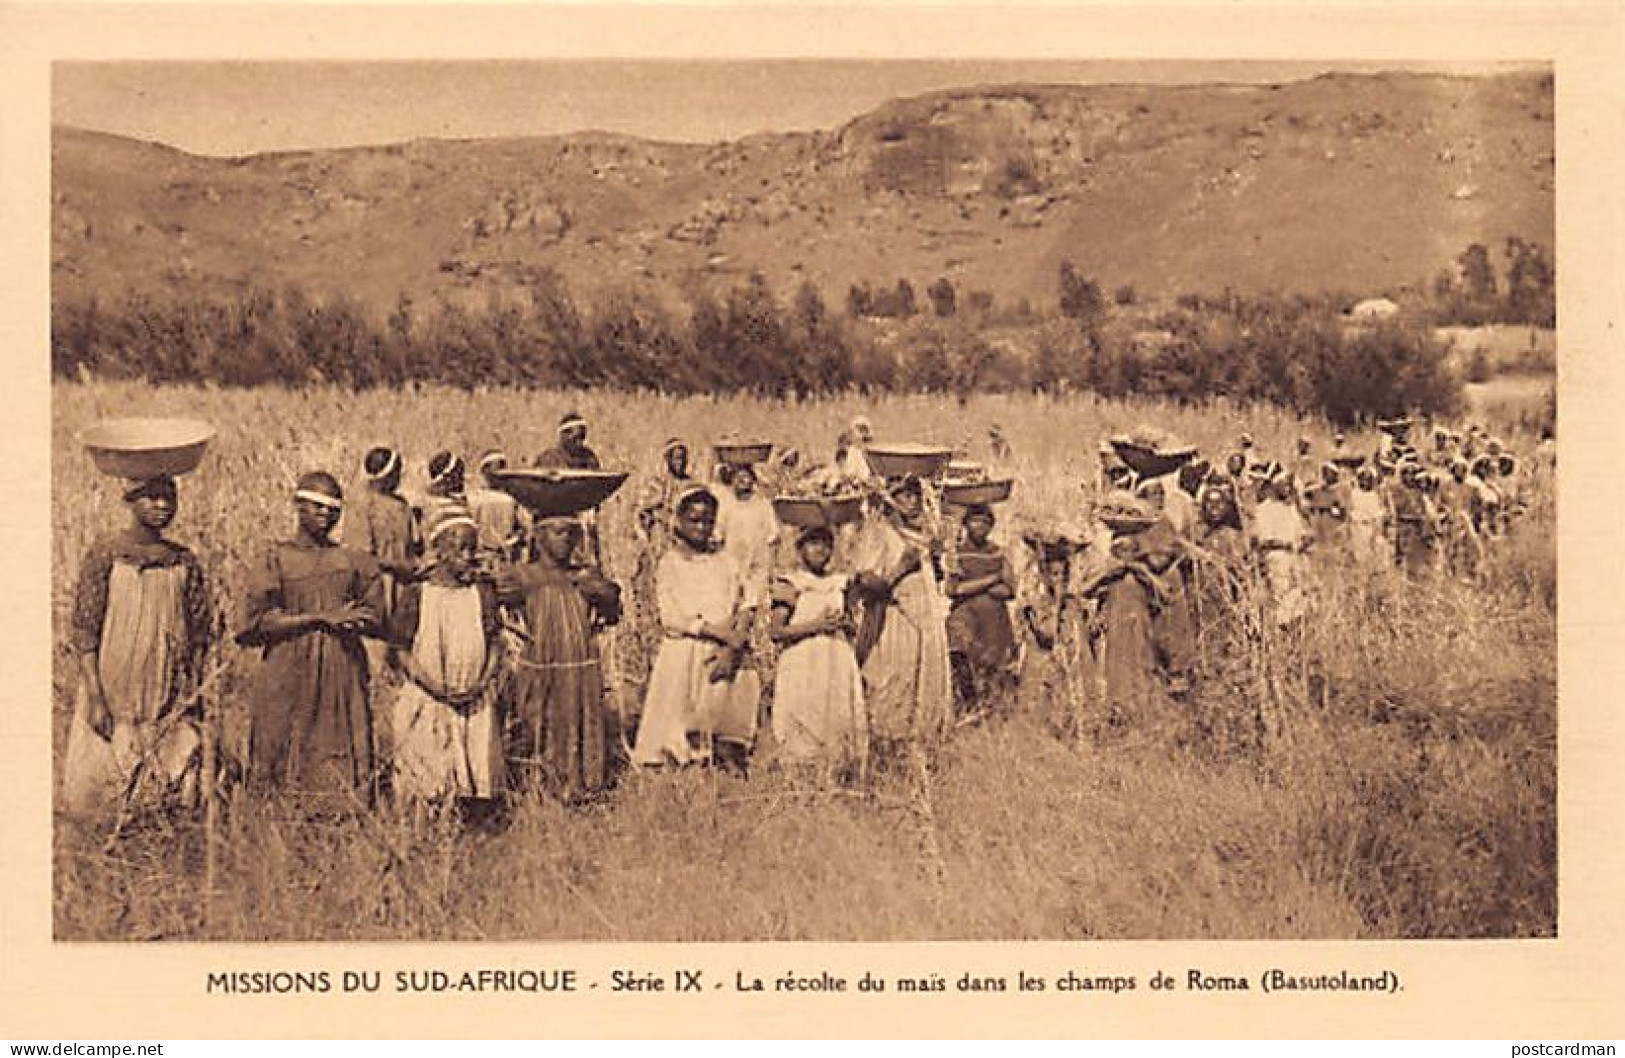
(749, 533)
(818, 707)
(1280, 526)
(692, 587)
(442, 750)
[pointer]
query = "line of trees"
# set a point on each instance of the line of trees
(1524, 292)
(1290, 351)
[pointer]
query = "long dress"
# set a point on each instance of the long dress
(143, 610)
(444, 750)
(749, 532)
(681, 699)
(907, 680)
(382, 525)
(654, 536)
(979, 628)
(1057, 671)
(310, 732)
(500, 520)
(1413, 531)
(818, 706)
(565, 731)
(1367, 513)
(1125, 651)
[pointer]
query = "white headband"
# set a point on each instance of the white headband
(571, 423)
(453, 467)
(392, 464)
(491, 458)
(446, 524)
(321, 498)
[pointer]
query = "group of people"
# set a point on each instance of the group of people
(478, 627)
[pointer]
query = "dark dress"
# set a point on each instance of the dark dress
(560, 458)
(979, 628)
(311, 728)
(565, 732)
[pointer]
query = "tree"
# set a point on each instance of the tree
(859, 300)
(1477, 273)
(904, 304)
(1080, 297)
(1531, 285)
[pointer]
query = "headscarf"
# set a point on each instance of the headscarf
(445, 469)
(380, 463)
(158, 485)
(815, 532)
(672, 444)
(905, 483)
(446, 519)
(689, 493)
(979, 510)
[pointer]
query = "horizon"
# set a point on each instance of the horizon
(240, 109)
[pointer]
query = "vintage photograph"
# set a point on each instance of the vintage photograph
(803, 500)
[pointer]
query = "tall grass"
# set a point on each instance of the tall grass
(1403, 785)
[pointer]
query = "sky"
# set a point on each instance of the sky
(238, 108)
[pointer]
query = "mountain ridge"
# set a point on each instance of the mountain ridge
(1364, 183)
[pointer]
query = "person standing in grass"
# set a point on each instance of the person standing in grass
(1368, 519)
(380, 523)
(699, 692)
(447, 731)
(572, 451)
(307, 607)
(1128, 591)
(655, 517)
(447, 484)
(981, 639)
(748, 530)
(502, 521)
(903, 638)
(1280, 537)
(565, 733)
(141, 630)
(819, 717)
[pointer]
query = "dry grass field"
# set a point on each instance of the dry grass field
(1407, 786)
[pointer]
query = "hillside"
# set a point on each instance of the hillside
(1344, 182)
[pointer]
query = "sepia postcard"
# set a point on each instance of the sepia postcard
(812, 521)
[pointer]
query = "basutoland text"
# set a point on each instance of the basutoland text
(485, 980)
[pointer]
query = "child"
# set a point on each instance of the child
(566, 732)
(381, 524)
(981, 640)
(698, 692)
(307, 607)
(447, 731)
(748, 530)
(1280, 536)
(141, 630)
(502, 522)
(446, 484)
(818, 709)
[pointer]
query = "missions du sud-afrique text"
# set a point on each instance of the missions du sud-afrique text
(486, 980)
